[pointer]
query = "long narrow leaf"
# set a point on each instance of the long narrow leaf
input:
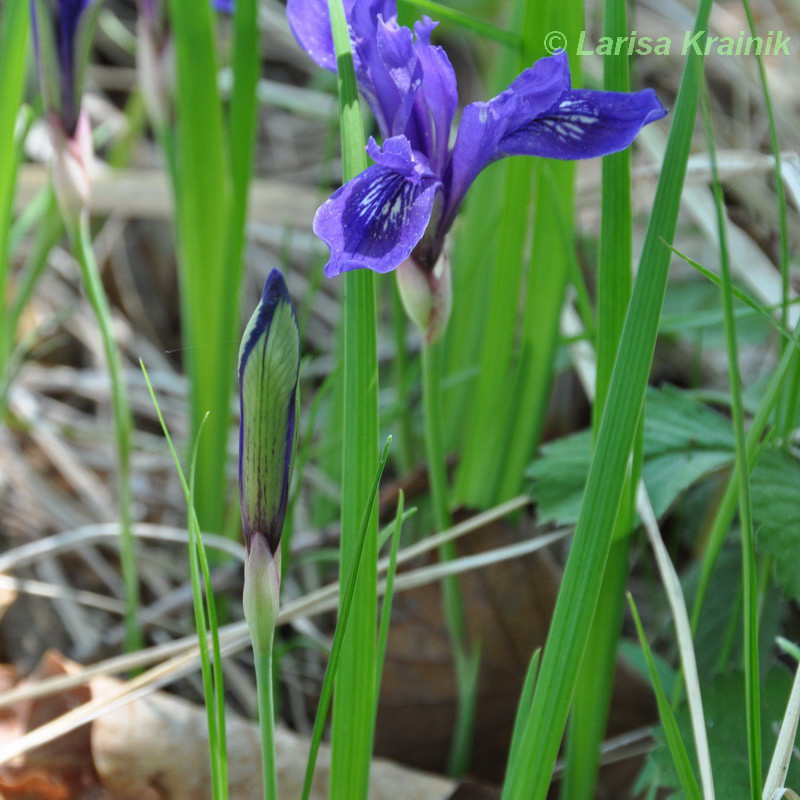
(353, 719)
(202, 198)
(345, 606)
(14, 45)
(583, 575)
(677, 748)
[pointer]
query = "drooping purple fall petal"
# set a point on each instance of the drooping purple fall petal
(483, 126)
(375, 220)
(585, 124)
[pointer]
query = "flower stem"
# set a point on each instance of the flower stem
(82, 243)
(266, 721)
(466, 661)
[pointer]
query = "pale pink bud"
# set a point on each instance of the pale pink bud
(427, 295)
(72, 158)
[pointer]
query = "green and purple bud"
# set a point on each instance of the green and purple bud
(269, 363)
(63, 32)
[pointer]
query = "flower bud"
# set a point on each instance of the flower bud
(63, 31)
(427, 295)
(72, 158)
(269, 362)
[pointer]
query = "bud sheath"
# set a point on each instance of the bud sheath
(427, 295)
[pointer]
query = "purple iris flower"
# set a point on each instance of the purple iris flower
(404, 205)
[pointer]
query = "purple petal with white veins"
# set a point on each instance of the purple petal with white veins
(539, 86)
(397, 155)
(375, 220)
(585, 124)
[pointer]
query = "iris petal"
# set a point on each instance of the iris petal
(483, 125)
(585, 124)
(375, 220)
(311, 24)
(395, 75)
(436, 102)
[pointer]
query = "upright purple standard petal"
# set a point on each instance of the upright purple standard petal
(437, 99)
(375, 220)
(395, 76)
(311, 24)
(585, 124)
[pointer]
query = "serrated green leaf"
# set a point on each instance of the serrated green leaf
(722, 608)
(684, 440)
(723, 703)
(775, 489)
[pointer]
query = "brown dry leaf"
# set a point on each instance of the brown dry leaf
(12, 723)
(22, 783)
(70, 754)
(157, 749)
(61, 770)
(34, 784)
(508, 607)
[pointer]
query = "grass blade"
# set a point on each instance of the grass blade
(749, 572)
(14, 46)
(583, 575)
(469, 23)
(353, 719)
(524, 706)
(202, 195)
(388, 596)
(677, 748)
(614, 280)
(345, 607)
(213, 689)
